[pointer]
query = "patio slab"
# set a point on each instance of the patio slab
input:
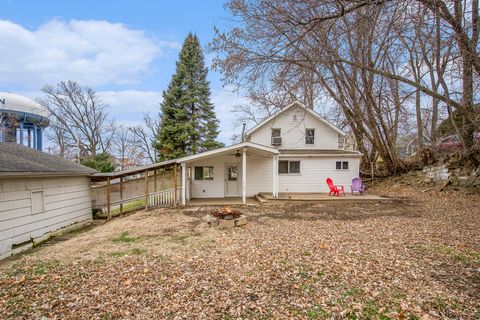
(282, 196)
(196, 202)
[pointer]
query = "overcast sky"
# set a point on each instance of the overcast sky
(125, 49)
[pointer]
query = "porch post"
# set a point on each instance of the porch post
(274, 176)
(244, 176)
(184, 184)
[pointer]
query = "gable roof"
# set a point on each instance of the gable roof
(301, 105)
(19, 160)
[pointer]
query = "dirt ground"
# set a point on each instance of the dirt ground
(416, 256)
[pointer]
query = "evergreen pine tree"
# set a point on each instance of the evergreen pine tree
(189, 124)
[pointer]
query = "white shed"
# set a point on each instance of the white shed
(40, 194)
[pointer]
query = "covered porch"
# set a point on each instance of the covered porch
(235, 172)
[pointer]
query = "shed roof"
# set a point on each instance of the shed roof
(19, 160)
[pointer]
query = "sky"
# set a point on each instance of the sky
(124, 49)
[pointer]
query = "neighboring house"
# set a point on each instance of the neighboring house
(39, 194)
(408, 146)
(295, 150)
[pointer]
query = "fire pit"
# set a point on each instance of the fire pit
(226, 217)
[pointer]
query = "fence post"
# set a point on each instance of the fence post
(155, 180)
(121, 195)
(109, 212)
(175, 184)
(146, 189)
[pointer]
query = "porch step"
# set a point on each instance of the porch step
(260, 198)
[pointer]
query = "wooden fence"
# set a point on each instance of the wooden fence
(143, 183)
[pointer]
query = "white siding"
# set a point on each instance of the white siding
(314, 172)
(259, 176)
(67, 200)
(293, 132)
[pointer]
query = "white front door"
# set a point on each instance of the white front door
(232, 179)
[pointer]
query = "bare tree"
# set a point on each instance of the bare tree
(144, 136)
(353, 52)
(125, 149)
(80, 118)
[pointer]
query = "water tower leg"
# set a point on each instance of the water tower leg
(34, 146)
(21, 132)
(29, 137)
(39, 139)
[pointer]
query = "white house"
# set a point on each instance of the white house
(40, 194)
(295, 150)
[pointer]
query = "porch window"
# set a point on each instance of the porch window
(204, 173)
(309, 136)
(341, 165)
(288, 167)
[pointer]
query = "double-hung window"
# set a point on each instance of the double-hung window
(341, 165)
(276, 137)
(288, 167)
(204, 173)
(309, 136)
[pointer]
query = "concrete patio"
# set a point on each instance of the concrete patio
(282, 196)
(220, 201)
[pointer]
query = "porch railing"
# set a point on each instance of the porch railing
(164, 198)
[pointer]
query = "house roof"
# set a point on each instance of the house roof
(301, 105)
(228, 148)
(325, 152)
(19, 160)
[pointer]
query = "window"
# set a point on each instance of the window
(232, 173)
(283, 167)
(294, 167)
(294, 117)
(38, 201)
(204, 173)
(341, 141)
(341, 165)
(288, 167)
(276, 137)
(309, 136)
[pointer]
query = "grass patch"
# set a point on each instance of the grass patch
(180, 239)
(353, 292)
(317, 313)
(131, 206)
(303, 275)
(124, 238)
(132, 252)
(39, 269)
(118, 254)
(127, 207)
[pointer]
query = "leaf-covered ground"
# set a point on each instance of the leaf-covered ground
(416, 256)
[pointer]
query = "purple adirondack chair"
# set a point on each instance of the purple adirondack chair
(357, 185)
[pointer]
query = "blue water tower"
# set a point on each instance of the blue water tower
(22, 120)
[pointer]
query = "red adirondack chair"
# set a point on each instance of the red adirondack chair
(335, 189)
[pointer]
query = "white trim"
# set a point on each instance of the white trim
(184, 184)
(244, 175)
(226, 149)
(299, 104)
